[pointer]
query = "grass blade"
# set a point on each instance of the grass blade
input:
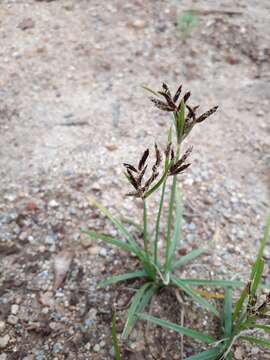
(119, 226)
(177, 231)
(211, 354)
(259, 342)
(180, 329)
(138, 302)
(262, 246)
(133, 223)
(240, 302)
(110, 240)
(265, 328)
(187, 258)
(117, 354)
(227, 312)
(214, 283)
(198, 299)
(257, 276)
(122, 277)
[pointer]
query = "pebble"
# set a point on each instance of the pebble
(96, 348)
(12, 320)
(57, 347)
(2, 326)
(4, 340)
(4, 356)
(53, 204)
(103, 252)
(14, 309)
(85, 240)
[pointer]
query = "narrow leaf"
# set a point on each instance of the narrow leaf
(133, 309)
(227, 312)
(119, 226)
(259, 342)
(177, 231)
(198, 299)
(214, 283)
(110, 240)
(257, 276)
(187, 258)
(116, 347)
(122, 277)
(240, 302)
(180, 329)
(211, 354)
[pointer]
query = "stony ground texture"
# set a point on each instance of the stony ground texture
(72, 110)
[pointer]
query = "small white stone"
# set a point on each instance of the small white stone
(53, 204)
(96, 348)
(12, 320)
(2, 326)
(4, 340)
(103, 252)
(14, 309)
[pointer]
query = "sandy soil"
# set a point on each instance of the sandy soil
(72, 110)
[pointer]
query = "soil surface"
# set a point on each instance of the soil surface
(72, 110)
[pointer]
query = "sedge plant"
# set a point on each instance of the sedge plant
(157, 271)
(241, 322)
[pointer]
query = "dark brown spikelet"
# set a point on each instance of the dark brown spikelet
(162, 105)
(168, 99)
(150, 181)
(158, 156)
(206, 114)
(177, 94)
(143, 159)
(186, 96)
(180, 169)
(172, 155)
(166, 89)
(141, 175)
(130, 167)
(168, 150)
(186, 154)
(132, 180)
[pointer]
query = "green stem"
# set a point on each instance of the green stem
(145, 228)
(170, 215)
(158, 221)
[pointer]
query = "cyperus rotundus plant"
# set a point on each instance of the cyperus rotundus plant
(158, 271)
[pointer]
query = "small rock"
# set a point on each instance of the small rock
(14, 309)
(111, 147)
(53, 204)
(2, 326)
(85, 240)
(4, 340)
(72, 211)
(238, 354)
(4, 356)
(12, 320)
(10, 197)
(137, 24)
(96, 348)
(26, 24)
(57, 347)
(103, 252)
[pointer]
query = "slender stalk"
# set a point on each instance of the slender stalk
(145, 228)
(158, 221)
(170, 215)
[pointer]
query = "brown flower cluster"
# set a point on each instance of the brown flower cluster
(136, 175)
(172, 104)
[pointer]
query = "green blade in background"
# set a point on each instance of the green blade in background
(227, 312)
(135, 305)
(110, 240)
(122, 277)
(211, 354)
(117, 354)
(195, 296)
(259, 342)
(187, 258)
(177, 231)
(180, 329)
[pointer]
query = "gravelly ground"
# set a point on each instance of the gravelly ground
(72, 110)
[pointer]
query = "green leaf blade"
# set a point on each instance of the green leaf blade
(122, 277)
(189, 257)
(196, 297)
